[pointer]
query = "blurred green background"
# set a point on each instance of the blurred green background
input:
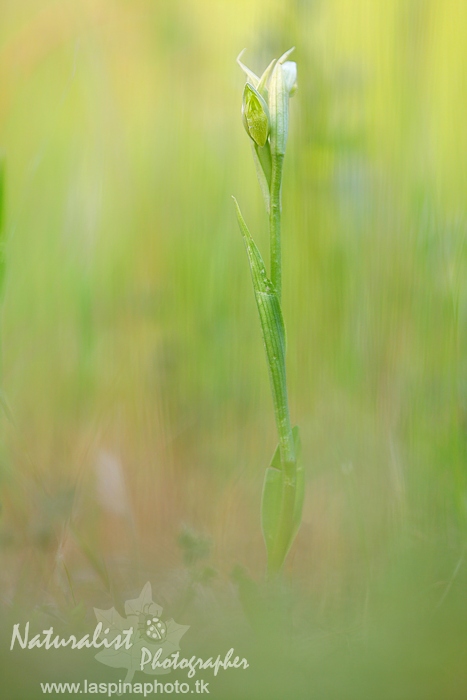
(136, 390)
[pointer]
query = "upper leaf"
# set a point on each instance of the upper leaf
(252, 77)
(260, 83)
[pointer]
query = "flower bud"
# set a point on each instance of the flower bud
(289, 69)
(279, 105)
(255, 113)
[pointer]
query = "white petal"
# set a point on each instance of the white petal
(289, 69)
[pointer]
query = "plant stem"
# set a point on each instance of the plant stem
(275, 208)
(288, 458)
(265, 117)
(284, 427)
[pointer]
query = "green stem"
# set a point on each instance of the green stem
(284, 427)
(279, 388)
(288, 459)
(275, 208)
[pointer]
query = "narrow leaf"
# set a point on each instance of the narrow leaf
(284, 56)
(272, 326)
(262, 85)
(252, 77)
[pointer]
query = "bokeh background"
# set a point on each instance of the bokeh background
(137, 421)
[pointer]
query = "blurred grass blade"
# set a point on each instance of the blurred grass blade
(2, 188)
(299, 483)
(6, 407)
(253, 603)
(2, 227)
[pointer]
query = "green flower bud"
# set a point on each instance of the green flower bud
(255, 114)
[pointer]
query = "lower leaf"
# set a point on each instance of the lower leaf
(279, 535)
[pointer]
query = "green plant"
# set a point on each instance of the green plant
(265, 113)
